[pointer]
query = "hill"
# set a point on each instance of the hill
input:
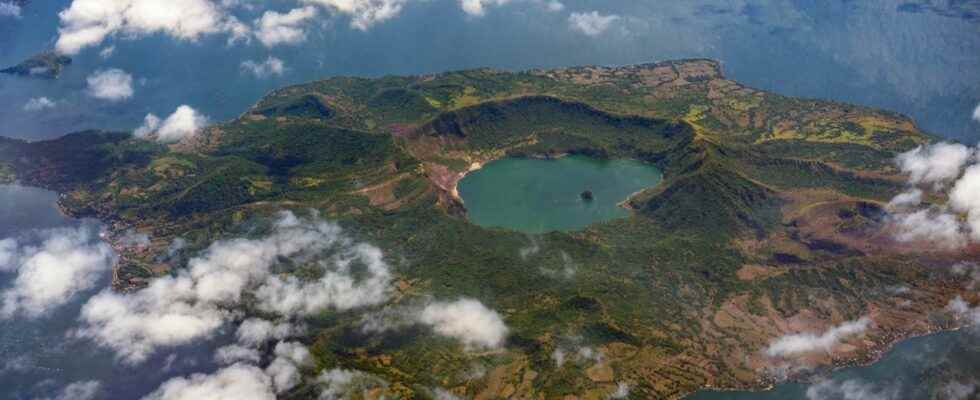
(46, 65)
(768, 220)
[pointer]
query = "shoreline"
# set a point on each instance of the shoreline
(808, 377)
(873, 353)
(106, 234)
(475, 166)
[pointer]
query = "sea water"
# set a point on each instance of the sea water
(926, 367)
(40, 355)
(923, 61)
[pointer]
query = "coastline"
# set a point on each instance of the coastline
(107, 235)
(808, 376)
(454, 191)
(477, 165)
(870, 355)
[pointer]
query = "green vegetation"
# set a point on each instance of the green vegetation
(78, 159)
(745, 172)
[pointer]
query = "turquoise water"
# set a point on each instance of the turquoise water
(926, 367)
(536, 196)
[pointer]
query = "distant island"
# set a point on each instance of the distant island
(46, 65)
(769, 221)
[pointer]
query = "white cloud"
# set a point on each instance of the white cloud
(976, 113)
(390, 318)
(443, 394)
(466, 320)
(231, 354)
(89, 22)
(554, 6)
(622, 391)
(166, 313)
(364, 13)
(38, 104)
(959, 390)
(959, 268)
(255, 331)
(285, 368)
(478, 7)
(337, 288)
(275, 28)
(236, 382)
(559, 356)
(150, 124)
(238, 32)
(284, 372)
(175, 247)
(69, 261)
(111, 84)
(929, 225)
(107, 52)
(567, 271)
(271, 66)
(589, 354)
(908, 199)
(82, 390)
(194, 303)
(132, 238)
(244, 380)
(939, 163)
(968, 270)
(183, 123)
(963, 310)
(965, 197)
(958, 305)
(9, 10)
(294, 352)
(17, 364)
(9, 254)
(338, 384)
(576, 353)
(850, 389)
(530, 250)
(591, 23)
(85, 390)
(801, 343)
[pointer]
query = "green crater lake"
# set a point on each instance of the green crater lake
(543, 195)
